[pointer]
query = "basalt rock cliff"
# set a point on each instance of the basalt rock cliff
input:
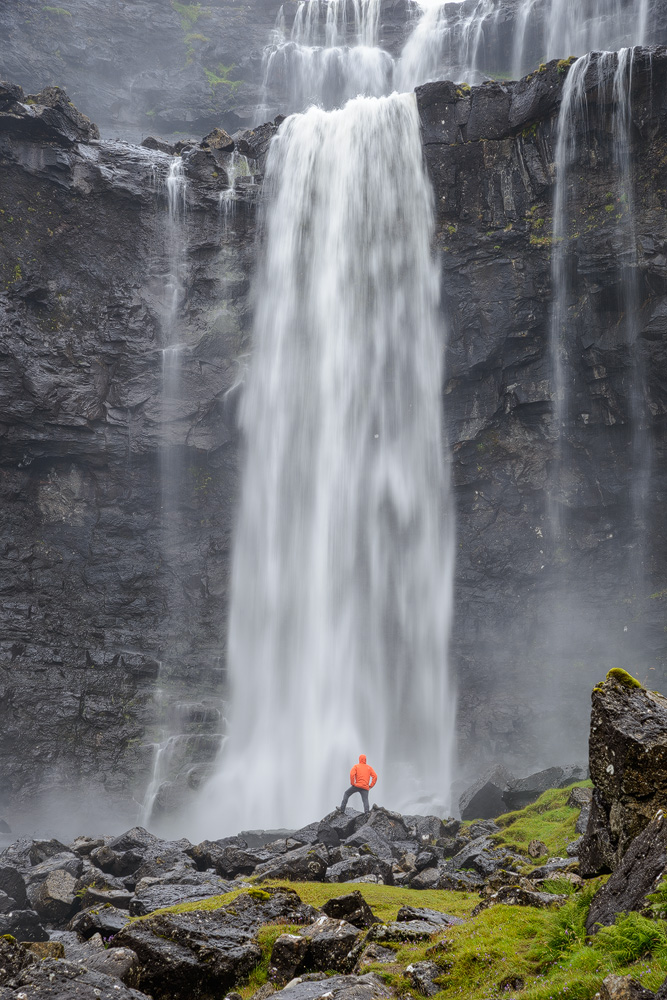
(113, 626)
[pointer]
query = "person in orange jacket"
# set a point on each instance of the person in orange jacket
(362, 779)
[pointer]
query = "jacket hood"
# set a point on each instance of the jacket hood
(362, 758)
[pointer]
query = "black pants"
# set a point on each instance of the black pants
(351, 790)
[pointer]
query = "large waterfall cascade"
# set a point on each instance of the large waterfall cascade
(342, 574)
(333, 52)
(341, 588)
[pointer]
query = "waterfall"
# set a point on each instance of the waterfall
(342, 572)
(327, 57)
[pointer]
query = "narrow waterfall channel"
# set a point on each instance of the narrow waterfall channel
(342, 574)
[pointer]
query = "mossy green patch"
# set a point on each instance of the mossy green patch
(549, 819)
(623, 677)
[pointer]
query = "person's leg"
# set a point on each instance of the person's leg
(346, 796)
(364, 798)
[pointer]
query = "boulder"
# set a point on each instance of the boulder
(304, 864)
(388, 825)
(369, 840)
(98, 897)
(154, 142)
(403, 930)
(24, 925)
(361, 866)
(537, 848)
(218, 139)
(482, 857)
(628, 765)
(84, 845)
(48, 117)
(13, 958)
(62, 980)
(422, 976)
(523, 791)
(155, 897)
(636, 876)
(105, 920)
(579, 797)
(374, 952)
(516, 895)
(13, 884)
(484, 798)
(332, 944)
(287, 955)
(435, 917)
(55, 899)
(46, 949)
(6, 902)
(365, 987)
(623, 988)
(351, 907)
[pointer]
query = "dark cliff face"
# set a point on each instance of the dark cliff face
(539, 612)
(113, 619)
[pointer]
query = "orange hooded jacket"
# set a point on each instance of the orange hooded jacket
(362, 774)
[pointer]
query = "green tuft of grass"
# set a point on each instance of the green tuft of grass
(617, 673)
(549, 819)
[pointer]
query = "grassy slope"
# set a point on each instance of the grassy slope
(504, 951)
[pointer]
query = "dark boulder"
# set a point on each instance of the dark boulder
(62, 980)
(155, 897)
(365, 987)
(361, 866)
(154, 142)
(388, 825)
(480, 856)
(24, 925)
(628, 764)
(99, 897)
(218, 139)
(105, 920)
(13, 958)
(526, 790)
(424, 913)
(287, 955)
(352, 907)
(423, 976)
(48, 117)
(484, 798)
(516, 895)
(55, 898)
(332, 944)
(304, 864)
(637, 875)
(367, 839)
(13, 884)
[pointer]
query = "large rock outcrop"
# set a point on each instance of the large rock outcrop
(628, 765)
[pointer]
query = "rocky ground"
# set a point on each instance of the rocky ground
(362, 906)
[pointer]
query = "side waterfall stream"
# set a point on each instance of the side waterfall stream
(342, 575)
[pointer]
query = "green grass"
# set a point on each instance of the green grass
(541, 954)
(549, 819)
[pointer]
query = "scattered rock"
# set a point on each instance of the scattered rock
(287, 955)
(332, 944)
(24, 925)
(515, 895)
(61, 980)
(435, 917)
(623, 988)
(403, 930)
(375, 953)
(422, 976)
(351, 907)
(365, 987)
(484, 798)
(536, 848)
(13, 884)
(305, 864)
(105, 920)
(54, 898)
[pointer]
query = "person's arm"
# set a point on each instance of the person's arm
(374, 778)
(353, 775)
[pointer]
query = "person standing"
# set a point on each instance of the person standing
(362, 779)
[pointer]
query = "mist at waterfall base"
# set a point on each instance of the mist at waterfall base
(342, 573)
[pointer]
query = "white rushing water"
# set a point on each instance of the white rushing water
(342, 572)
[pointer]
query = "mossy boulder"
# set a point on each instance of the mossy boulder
(628, 766)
